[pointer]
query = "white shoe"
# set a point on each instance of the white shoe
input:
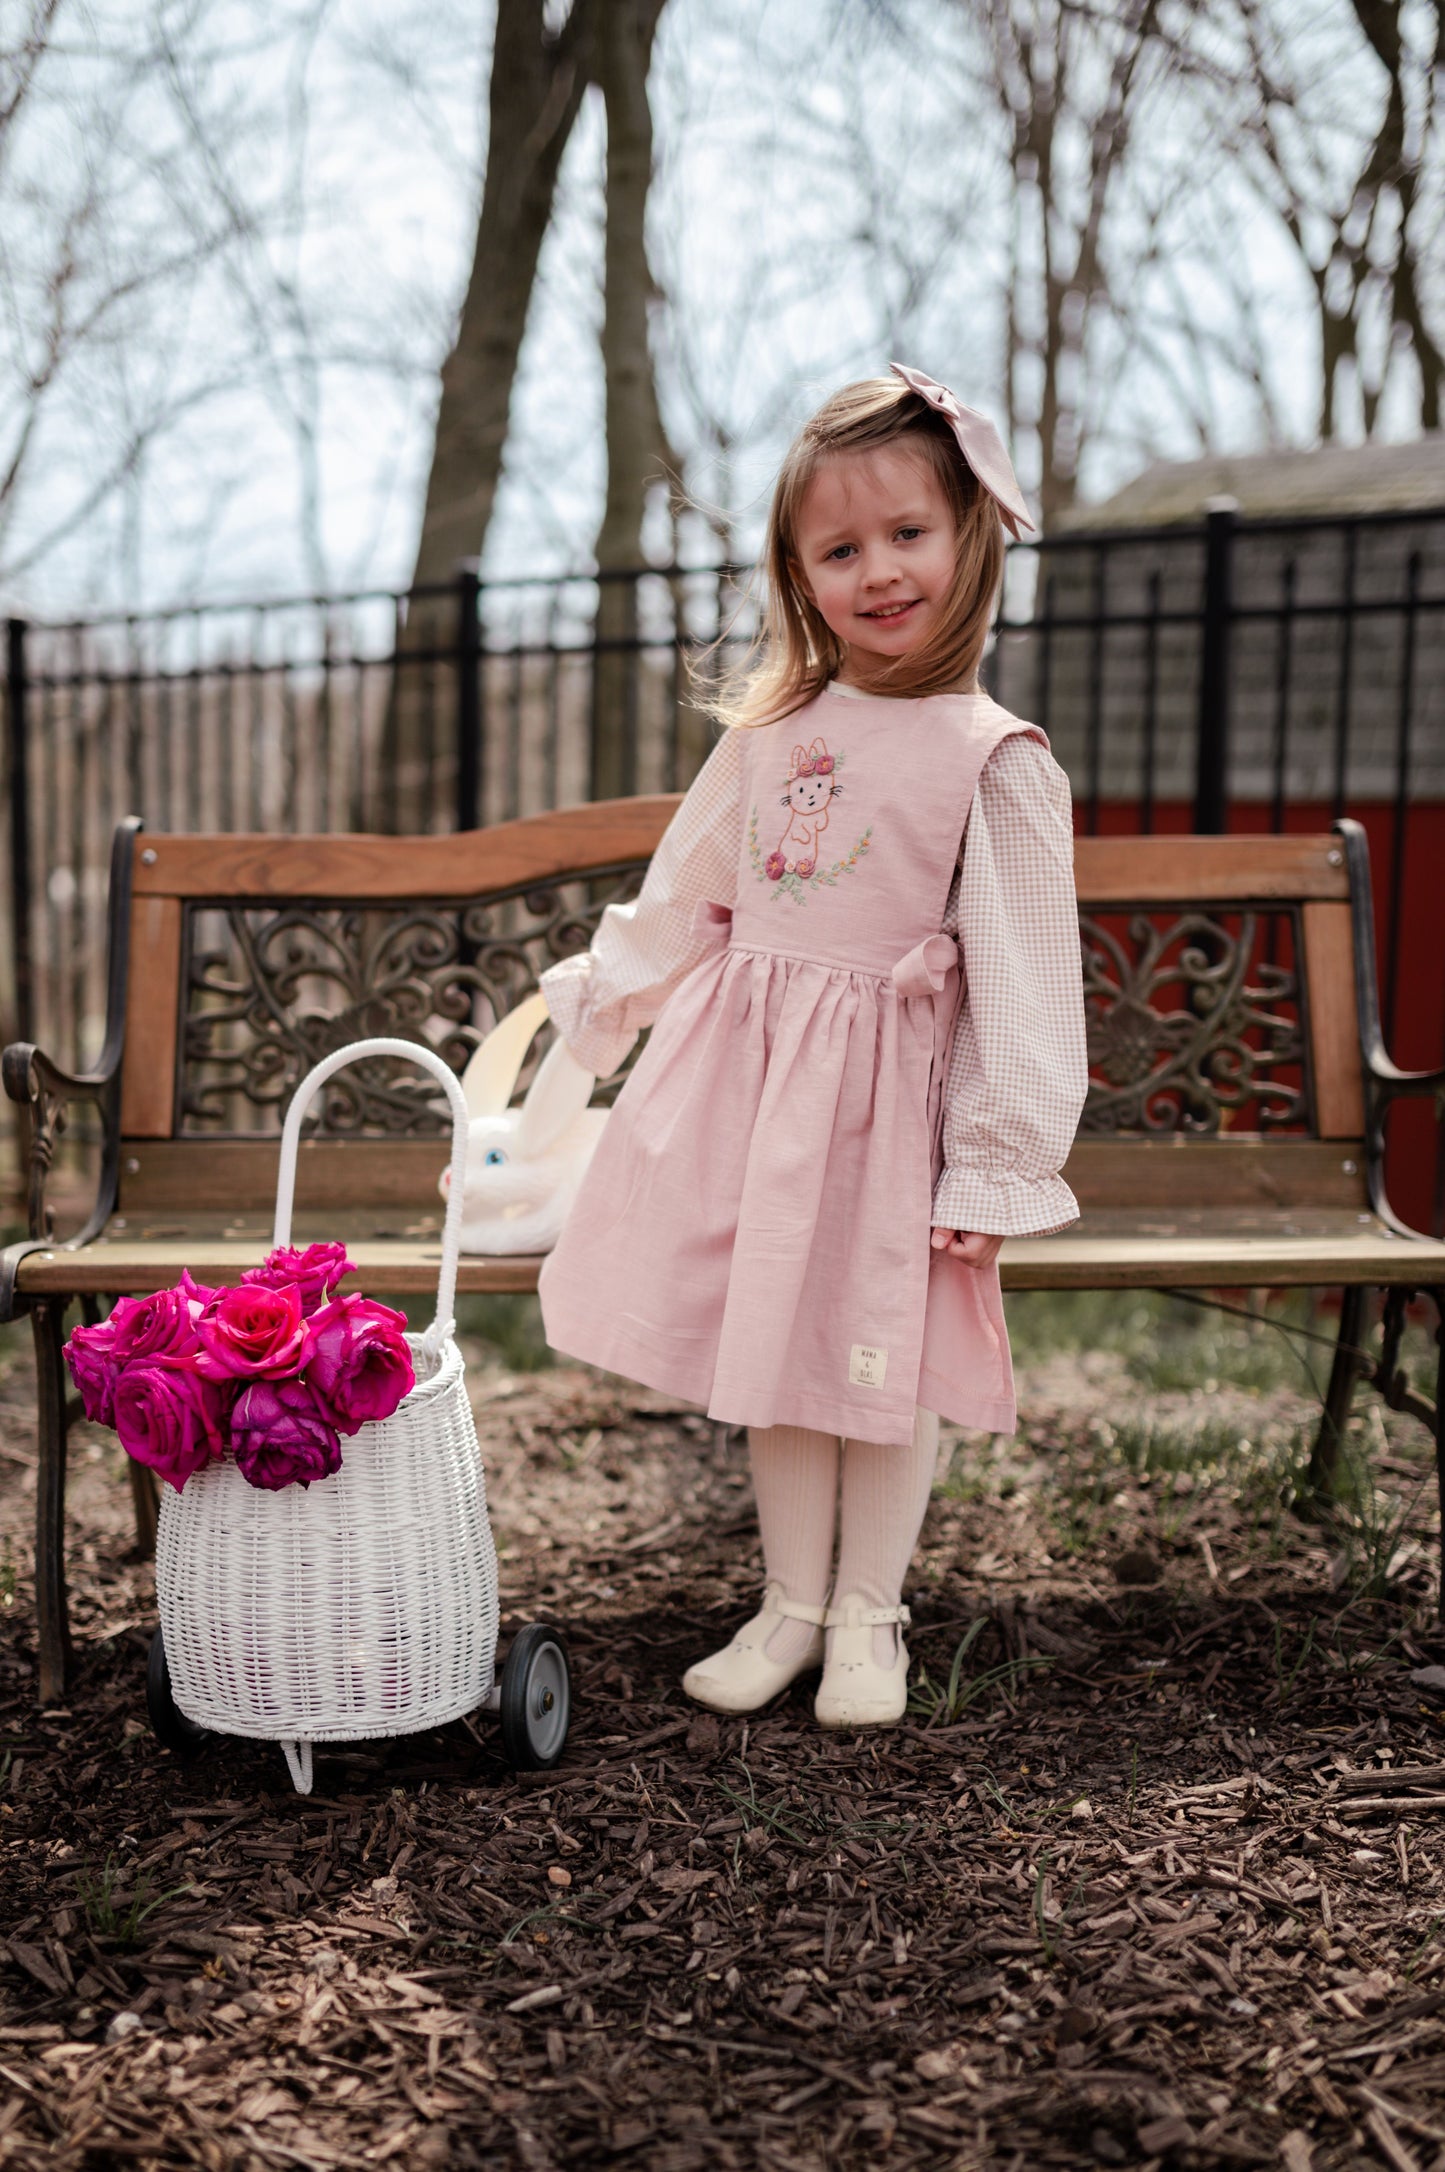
(855, 1691)
(741, 1677)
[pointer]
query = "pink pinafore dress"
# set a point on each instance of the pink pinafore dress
(753, 1233)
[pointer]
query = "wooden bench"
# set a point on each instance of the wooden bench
(1233, 1137)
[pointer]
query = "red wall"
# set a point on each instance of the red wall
(1414, 1169)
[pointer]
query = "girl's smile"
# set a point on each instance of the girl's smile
(886, 611)
(877, 550)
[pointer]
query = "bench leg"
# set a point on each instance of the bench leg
(1438, 1297)
(1344, 1372)
(52, 1617)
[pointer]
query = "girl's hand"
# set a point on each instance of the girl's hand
(969, 1245)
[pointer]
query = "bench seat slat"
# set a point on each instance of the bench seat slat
(1205, 1248)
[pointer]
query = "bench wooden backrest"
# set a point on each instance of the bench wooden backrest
(1220, 974)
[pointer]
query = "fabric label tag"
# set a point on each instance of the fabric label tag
(868, 1366)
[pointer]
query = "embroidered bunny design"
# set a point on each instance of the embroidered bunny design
(812, 786)
(794, 867)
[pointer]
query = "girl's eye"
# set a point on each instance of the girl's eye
(840, 550)
(493, 1155)
(908, 535)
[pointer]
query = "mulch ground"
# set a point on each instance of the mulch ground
(1151, 1876)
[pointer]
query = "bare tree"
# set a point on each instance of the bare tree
(1360, 203)
(1070, 81)
(638, 455)
(538, 77)
(536, 84)
(19, 60)
(132, 211)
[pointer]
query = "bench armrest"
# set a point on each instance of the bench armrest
(1392, 1081)
(48, 1090)
(1385, 1082)
(31, 1078)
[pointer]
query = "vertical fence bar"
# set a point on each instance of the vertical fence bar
(325, 725)
(551, 747)
(79, 719)
(516, 704)
(1399, 825)
(17, 784)
(1211, 771)
(1094, 727)
(1044, 685)
(632, 687)
(1284, 665)
(1151, 709)
(469, 690)
(1346, 671)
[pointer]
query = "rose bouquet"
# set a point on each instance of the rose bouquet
(277, 1369)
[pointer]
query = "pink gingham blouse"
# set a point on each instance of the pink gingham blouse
(1017, 1069)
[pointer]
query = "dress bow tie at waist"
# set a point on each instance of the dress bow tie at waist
(926, 967)
(714, 921)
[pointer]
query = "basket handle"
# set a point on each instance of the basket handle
(414, 1052)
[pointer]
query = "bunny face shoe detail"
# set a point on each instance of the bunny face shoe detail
(523, 1165)
(741, 1677)
(855, 1691)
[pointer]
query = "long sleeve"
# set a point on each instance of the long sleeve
(1018, 1071)
(602, 998)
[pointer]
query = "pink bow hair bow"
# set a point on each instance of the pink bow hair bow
(980, 444)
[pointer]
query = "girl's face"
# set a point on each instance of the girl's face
(876, 549)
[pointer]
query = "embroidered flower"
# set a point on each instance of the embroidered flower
(822, 766)
(804, 869)
(775, 867)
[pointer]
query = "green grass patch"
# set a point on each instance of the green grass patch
(111, 1912)
(1167, 1345)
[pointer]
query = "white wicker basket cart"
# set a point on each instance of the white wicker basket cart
(366, 1603)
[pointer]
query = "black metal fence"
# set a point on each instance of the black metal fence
(1231, 673)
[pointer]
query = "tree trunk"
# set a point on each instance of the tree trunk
(637, 452)
(537, 82)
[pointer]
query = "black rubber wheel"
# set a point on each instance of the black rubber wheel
(536, 1702)
(172, 1729)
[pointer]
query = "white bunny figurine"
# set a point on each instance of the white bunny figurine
(523, 1165)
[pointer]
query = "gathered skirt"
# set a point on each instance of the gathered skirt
(753, 1233)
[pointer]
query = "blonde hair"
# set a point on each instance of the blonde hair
(794, 652)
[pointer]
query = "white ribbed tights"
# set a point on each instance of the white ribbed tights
(884, 1495)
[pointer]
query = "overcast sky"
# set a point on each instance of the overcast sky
(301, 368)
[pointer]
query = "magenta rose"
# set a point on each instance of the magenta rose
(95, 1369)
(253, 1333)
(776, 866)
(169, 1418)
(160, 1329)
(281, 1437)
(314, 1272)
(823, 765)
(360, 1365)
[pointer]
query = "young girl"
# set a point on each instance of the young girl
(858, 942)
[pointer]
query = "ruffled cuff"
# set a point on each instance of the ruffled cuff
(599, 1037)
(1001, 1204)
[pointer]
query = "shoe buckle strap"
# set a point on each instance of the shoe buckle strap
(796, 1611)
(872, 1617)
(776, 1602)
